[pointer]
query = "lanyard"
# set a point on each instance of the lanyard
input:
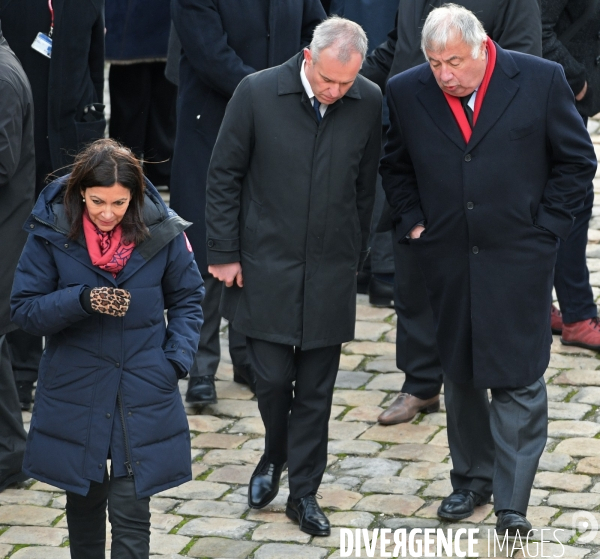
(51, 18)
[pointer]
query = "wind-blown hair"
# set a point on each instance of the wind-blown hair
(342, 34)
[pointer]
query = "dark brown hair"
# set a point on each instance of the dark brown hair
(104, 163)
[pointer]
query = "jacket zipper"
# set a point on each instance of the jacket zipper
(51, 225)
(127, 453)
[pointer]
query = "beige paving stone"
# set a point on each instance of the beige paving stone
(221, 547)
(5, 549)
(579, 447)
(392, 382)
(426, 470)
(559, 393)
(350, 362)
(346, 429)
(440, 488)
(219, 527)
(363, 413)
(367, 312)
(362, 448)
(572, 362)
(24, 497)
(337, 498)
(336, 410)
(218, 440)
(563, 410)
(588, 395)
(382, 365)
(401, 433)
(416, 453)
(207, 423)
(351, 379)
(579, 378)
(196, 490)
(42, 552)
(162, 505)
(351, 519)
(585, 501)
(392, 485)
(280, 532)
(289, 551)
(541, 516)
(222, 457)
(576, 519)
(234, 408)
(41, 486)
(480, 514)
(537, 497)
(224, 370)
(369, 467)
(405, 505)
(165, 522)
(438, 419)
(219, 509)
(590, 465)
(440, 439)
(391, 336)
(28, 515)
(573, 429)
(370, 331)
(575, 483)
(249, 425)
(358, 397)
(163, 544)
(232, 474)
(34, 535)
(233, 390)
(198, 468)
(558, 550)
(267, 515)
(380, 349)
(554, 461)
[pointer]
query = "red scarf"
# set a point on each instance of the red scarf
(455, 104)
(105, 247)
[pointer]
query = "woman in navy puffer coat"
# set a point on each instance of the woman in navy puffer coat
(108, 378)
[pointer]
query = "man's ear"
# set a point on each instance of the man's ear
(308, 55)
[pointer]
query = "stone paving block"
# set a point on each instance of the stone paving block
(358, 397)
(196, 490)
(220, 509)
(579, 447)
(221, 547)
(364, 448)
(227, 389)
(225, 369)
(24, 497)
(220, 527)
(410, 522)
(537, 497)
(391, 336)
(367, 312)
(350, 362)
(416, 452)
(380, 349)
(558, 550)
(249, 425)
(585, 501)
(162, 544)
(232, 474)
(338, 498)
(351, 379)
(575, 483)
(220, 440)
(588, 395)
(34, 535)
(559, 393)
(441, 439)
(426, 470)
(382, 365)
(369, 467)
(289, 551)
(440, 488)
(554, 461)
(481, 513)
(401, 433)
(392, 382)
(437, 419)
(348, 482)
(590, 465)
(267, 515)
(198, 468)
(346, 429)
(41, 486)
(563, 429)
(165, 522)
(430, 511)
(558, 361)
(59, 502)
(405, 505)
(28, 515)
(351, 519)
(42, 552)
(222, 457)
(562, 410)
(363, 413)
(280, 532)
(162, 505)
(207, 423)
(578, 378)
(370, 331)
(234, 408)
(336, 410)
(541, 515)
(392, 485)
(5, 549)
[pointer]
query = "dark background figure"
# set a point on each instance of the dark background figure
(222, 42)
(142, 99)
(571, 37)
(515, 25)
(377, 276)
(17, 189)
(68, 111)
(173, 56)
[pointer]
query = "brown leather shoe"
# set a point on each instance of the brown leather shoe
(406, 406)
(585, 333)
(556, 321)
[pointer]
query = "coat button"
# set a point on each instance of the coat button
(108, 416)
(100, 466)
(198, 117)
(210, 243)
(66, 245)
(117, 364)
(468, 157)
(475, 250)
(31, 226)
(137, 462)
(470, 205)
(129, 414)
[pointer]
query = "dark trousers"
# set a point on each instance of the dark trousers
(129, 518)
(25, 354)
(209, 350)
(142, 104)
(294, 389)
(12, 434)
(496, 446)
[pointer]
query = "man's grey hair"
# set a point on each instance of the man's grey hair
(343, 35)
(448, 22)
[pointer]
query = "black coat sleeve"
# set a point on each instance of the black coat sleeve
(554, 50)
(11, 132)
(517, 26)
(204, 42)
(96, 56)
(378, 64)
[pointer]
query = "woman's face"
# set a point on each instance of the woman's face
(106, 205)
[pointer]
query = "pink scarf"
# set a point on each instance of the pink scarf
(105, 248)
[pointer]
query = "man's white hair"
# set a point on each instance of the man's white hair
(448, 22)
(341, 34)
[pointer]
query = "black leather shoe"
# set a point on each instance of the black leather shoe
(307, 512)
(381, 293)
(245, 375)
(511, 522)
(460, 504)
(264, 483)
(201, 390)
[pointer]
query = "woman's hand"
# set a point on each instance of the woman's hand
(110, 300)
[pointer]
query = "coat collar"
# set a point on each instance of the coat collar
(503, 87)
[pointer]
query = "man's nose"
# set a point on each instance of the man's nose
(446, 75)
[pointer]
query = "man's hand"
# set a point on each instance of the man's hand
(415, 232)
(228, 273)
(582, 93)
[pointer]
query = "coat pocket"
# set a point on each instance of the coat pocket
(251, 226)
(522, 131)
(88, 132)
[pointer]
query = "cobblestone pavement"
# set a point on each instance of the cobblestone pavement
(377, 477)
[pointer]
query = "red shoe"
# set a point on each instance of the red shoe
(585, 333)
(556, 322)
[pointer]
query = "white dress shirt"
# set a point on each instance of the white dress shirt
(309, 90)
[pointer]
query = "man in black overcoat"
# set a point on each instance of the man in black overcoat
(223, 42)
(483, 186)
(291, 186)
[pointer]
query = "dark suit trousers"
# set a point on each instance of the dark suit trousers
(25, 354)
(294, 390)
(496, 446)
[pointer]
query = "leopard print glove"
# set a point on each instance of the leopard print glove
(110, 300)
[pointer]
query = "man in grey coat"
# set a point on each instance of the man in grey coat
(291, 186)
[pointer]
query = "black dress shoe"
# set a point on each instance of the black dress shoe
(245, 375)
(460, 504)
(307, 512)
(264, 483)
(381, 293)
(201, 390)
(511, 522)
